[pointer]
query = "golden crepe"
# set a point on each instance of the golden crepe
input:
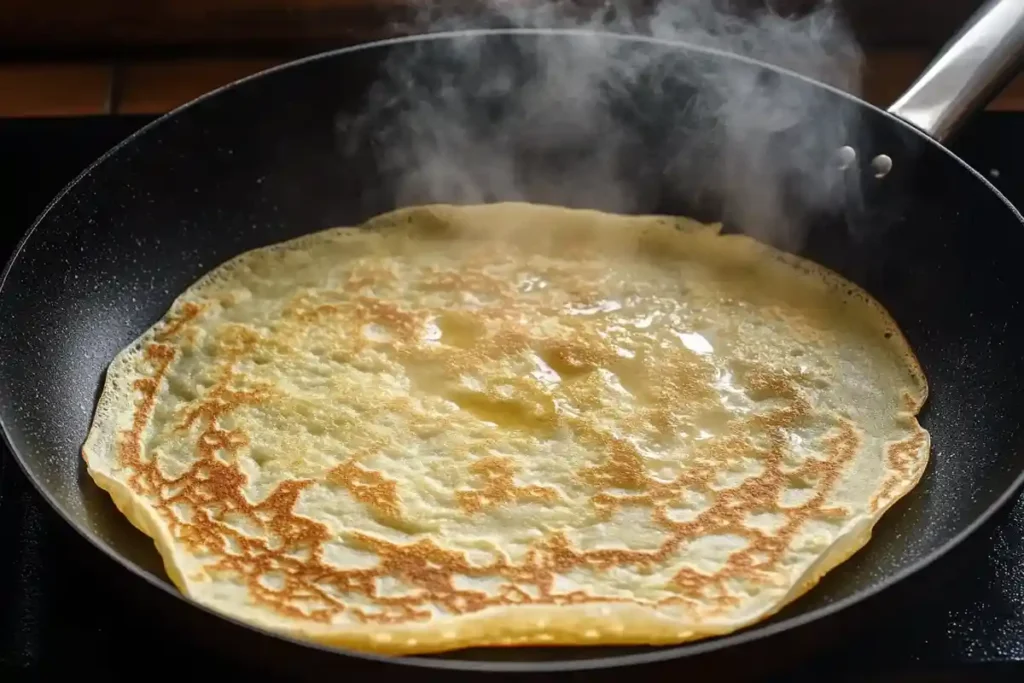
(510, 424)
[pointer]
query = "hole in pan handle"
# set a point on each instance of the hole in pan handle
(968, 72)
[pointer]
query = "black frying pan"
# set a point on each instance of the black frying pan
(284, 153)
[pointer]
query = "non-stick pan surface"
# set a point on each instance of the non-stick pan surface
(267, 159)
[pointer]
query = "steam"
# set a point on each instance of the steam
(596, 121)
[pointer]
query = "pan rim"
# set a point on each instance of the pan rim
(750, 634)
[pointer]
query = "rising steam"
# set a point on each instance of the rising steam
(597, 121)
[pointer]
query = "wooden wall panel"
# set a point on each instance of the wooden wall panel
(190, 22)
(131, 24)
(54, 89)
(157, 87)
(153, 87)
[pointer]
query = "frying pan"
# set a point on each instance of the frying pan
(287, 152)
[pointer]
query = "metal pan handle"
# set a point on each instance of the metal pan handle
(969, 71)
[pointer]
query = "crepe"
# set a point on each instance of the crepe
(510, 424)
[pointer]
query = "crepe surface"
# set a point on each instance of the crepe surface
(510, 424)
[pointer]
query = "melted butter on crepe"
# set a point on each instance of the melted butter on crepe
(510, 424)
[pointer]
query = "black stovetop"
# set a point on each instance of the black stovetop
(58, 618)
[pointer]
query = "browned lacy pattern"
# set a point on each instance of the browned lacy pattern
(208, 514)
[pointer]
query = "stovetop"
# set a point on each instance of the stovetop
(57, 617)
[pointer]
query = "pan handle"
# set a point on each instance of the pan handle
(969, 71)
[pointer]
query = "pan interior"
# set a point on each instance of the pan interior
(930, 241)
